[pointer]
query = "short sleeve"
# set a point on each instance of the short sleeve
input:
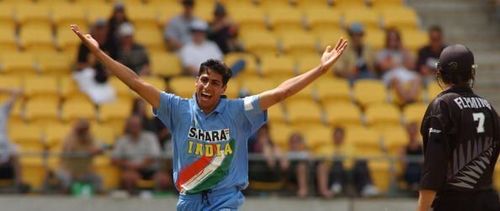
(154, 148)
(253, 113)
(169, 105)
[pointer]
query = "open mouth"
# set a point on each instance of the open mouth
(205, 96)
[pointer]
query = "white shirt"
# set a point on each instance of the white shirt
(193, 55)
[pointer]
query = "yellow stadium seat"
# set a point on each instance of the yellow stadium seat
(183, 86)
(397, 99)
(57, 64)
(323, 17)
(27, 136)
(232, 89)
(143, 16)
(343, 114)
(55, 135)
(368, 17)
(317, 138)
(109, 173)
(77, 108)
(64, 14)
(272, 66)
(270, 4)
(298, 43)
(17, 113)
(304, 113)
(368, 91)
(33, 14)
(256, 85)
(115, 114)
(395, 139)
(307, 61)
(248, 16)
(280, 133)
(332, 90)
(70, 90)
(433, 89)
(276, 114)
(402, 18)
(414, 39)
(151, 38)
(250, 62)
(167, 10)
(375, 38)
(20, 64)
(157, 82)
(349, 3)
(43, 87)
(306, 4)
(67, 41)
(496, 176)
(7, 15)
(259, 42)
(381, 174)
(205, 10)
(385, 3)
(9, 82)
(106, 133)
(306, 94)
(122, 90)
(366, 141)
(414, 112)
(285, 18)
(7, 39)
(42, 111)
(165, 64)
(329, 36)
(96, 11)
(382, 115)
(37, 38)
(34, 171)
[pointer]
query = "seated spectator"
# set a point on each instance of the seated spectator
(397, 64)
(412, 166)
(118, 16)
(78, 152)
(358, 62)
(177, 31)
(333, 176)
(90, 75)
(136, 154)
(10, 168)
(428, 55)
(298, 168)
(223, 31)
(130, 53)
(199, 49)
(152, 124)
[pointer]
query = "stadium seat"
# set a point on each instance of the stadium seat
(414, 112)
(273, 66)
(232, 89)
(367, 141)
(70, 90)
(20, 64)
(164, 64)
(77, 108)
(329, 36)
(9, 82)
(414, 39)
(183, 86)
(402, 18)
(369, 91)
(17, 113)
(248, 17)
(395, 139)
(64, 14)
(298, 43)
(96, 11)
(167, 10)
(151, 38)
(433, 89)
(284, 19)
(259, 42)
(342, 114)
(317, 138)
(332, 90)
(157, 82)
(256, 85)
(306, 62)
(368, 17)
(55, 134)
(34, 171)
(47, 66)
(122, 90)
(8, 41)
(42, 111)
(381, 174)
(385, 3)
(250, 63)
(7, 15)
(304, 113)
(280, 133)
(143, 16)
(32, 14)
(310, 4)
(349, 4)
(67, 41)
(382, 115)
(27, 136)
(306, 94)
(322, 18)
(276, 114)
(109, 173)
(41, 87)
(106, 133)
(375, 38)
(37, 38)
(115, 114)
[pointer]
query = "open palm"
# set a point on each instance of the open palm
(87, 39)
(331, 55)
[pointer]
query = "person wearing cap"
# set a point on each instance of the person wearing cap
(358, 63)
(130, 53)
(209, 131)
(177, 32)
(199, 49)
(118, 16)
(223, 31)
(461, 141)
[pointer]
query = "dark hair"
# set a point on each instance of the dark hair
(217, 66)
(396, 33)
(456, 66)
(458, 78)
(435, 28)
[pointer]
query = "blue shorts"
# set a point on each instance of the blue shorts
(225, 200)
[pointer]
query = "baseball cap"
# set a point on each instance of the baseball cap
(219, 9)
(100, 22)
(356, 28)
(456, 58)
(119, 6)
(188, 3)
(198, 25)
(126, 29)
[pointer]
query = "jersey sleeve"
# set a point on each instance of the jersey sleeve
(435, 133)
(253, 113)
(166, 112)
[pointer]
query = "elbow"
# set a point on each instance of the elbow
(281, 94)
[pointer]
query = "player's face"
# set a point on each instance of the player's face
(209, 88)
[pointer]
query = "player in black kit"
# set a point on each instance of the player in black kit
(461, 136)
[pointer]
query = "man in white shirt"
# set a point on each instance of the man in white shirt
(199, 49)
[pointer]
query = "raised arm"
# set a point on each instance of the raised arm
(126, 75)
(297, 83)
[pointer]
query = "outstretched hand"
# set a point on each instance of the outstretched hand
(87, 39)
(331, 55)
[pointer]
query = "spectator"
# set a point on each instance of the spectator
(223, 31)
(199, 49)
(78, 152)
(136, 154)
(90, 75)
(412, 166)
(428, 55)
(130, 53)
(177, 31)
(333, 177)
(298, 168)
(118, 17)
(10, 168)
(358, 63)
(152, 124)
(397, 64)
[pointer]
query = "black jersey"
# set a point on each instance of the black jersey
(461, 134)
